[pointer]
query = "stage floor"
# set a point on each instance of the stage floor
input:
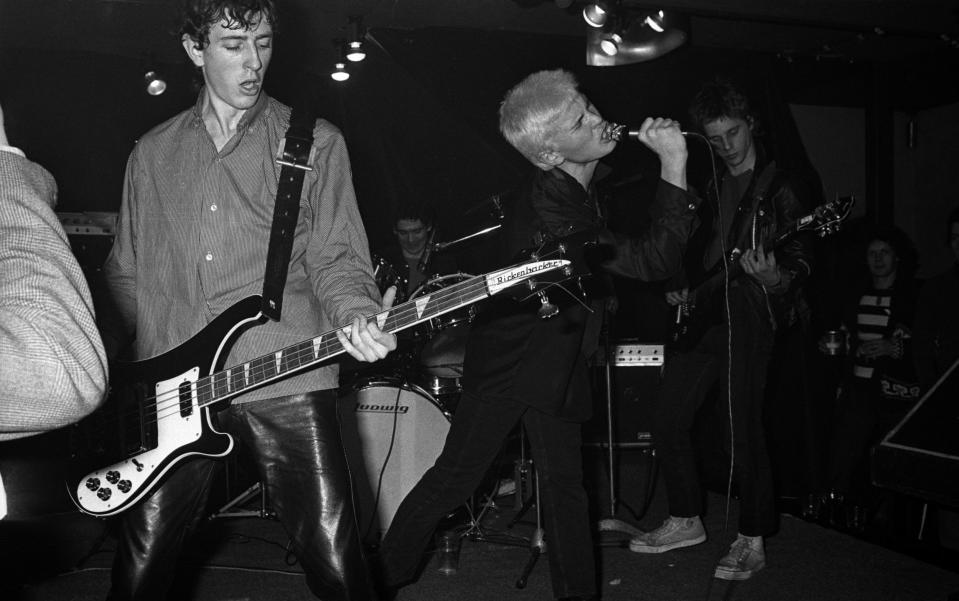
(67, 556)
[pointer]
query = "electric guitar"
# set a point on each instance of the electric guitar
(167, 399)
(702, 307)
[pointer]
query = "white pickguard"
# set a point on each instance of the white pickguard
(122, 483)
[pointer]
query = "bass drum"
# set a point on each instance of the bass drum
(393, 431)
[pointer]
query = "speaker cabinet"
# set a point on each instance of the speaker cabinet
(634, 375)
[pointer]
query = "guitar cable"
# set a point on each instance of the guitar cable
(729, 328)
(386, 461)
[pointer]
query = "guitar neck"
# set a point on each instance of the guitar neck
(244, 377)
(734, 268)
(241, 378)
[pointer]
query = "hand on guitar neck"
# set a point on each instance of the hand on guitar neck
(367, 342)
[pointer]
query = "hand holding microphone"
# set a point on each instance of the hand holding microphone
(665, 138)
(662, 136)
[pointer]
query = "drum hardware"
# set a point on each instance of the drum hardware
(546, 309)
(525, 477)
(256, 490)
(386, 275)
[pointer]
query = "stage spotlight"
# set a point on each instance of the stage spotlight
(609, 44)
(624, 40)
(655, 21)
(340, 73)
(155, 84)
(596, 14)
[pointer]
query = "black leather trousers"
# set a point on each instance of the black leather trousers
(295, 443)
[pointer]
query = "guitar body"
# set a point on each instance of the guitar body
(153, 419)
(704, 307)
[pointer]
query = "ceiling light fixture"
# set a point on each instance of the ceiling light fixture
(355, 52)
(155, 84)
(354, 42)
(596, 14)
(625, 39)
(655, 21)
(339, 72)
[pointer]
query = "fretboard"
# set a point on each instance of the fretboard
(235, 380)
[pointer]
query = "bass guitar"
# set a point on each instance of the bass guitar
(165, 402)
(702, 308)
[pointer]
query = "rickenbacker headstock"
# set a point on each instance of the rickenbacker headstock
(573, 248)
(827, 218)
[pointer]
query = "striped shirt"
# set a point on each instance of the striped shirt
(194, 228)
(872, 320)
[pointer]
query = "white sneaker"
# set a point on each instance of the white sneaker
(673, 534)
(744, 559)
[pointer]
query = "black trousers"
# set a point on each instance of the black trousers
(479, 428)
(862, 417)
(295, 442)
(741, 373)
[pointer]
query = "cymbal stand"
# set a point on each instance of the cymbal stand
(537, 542)
(524, 474)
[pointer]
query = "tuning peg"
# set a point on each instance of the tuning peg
(546, 309)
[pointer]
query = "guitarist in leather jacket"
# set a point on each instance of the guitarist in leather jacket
(756, 200)
(522, 368)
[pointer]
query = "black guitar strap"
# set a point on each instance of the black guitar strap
(295, 156)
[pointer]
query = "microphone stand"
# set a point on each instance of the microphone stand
(611, 523)
(424, 262)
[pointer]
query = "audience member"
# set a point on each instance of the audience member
(53, 368)
(879, 385)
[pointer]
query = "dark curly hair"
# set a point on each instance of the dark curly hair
(424, 212)
(198, 16)
(720, 98)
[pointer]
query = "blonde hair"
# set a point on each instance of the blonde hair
(530, 108)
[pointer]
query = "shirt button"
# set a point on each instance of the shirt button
(209, 256)
(692, 206)
(213, 207)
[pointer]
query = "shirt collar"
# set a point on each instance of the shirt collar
(250, 116)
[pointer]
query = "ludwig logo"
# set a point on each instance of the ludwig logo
(363, 408)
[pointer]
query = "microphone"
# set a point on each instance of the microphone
(424, 263)
(617, 131)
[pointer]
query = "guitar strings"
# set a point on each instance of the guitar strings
(447, 299)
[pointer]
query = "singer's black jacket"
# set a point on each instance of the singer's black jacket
(513, 353)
